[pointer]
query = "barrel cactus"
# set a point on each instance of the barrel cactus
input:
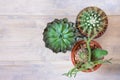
(92, 20)
(59, 35)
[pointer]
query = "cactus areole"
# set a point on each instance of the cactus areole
(92, 20)
(59, 35)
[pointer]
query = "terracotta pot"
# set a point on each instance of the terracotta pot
(93, 45)
(103, 23)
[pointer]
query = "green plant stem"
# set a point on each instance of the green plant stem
(88, 40)
(89, 49)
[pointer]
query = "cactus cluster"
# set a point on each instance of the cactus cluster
(59, 35)
(87, 55)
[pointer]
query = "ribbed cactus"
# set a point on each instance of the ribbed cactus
(59, 35)
(91, 21)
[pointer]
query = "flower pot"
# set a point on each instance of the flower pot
(94, 19)
(77, 46)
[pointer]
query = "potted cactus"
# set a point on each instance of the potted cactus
(80, 53)
(92, 19)
(87, 55)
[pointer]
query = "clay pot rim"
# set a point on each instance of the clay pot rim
(73, 52)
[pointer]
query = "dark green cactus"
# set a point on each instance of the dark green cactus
(59, 35)
(91, 21)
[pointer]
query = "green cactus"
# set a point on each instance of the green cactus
(59, 35)
(92, 20)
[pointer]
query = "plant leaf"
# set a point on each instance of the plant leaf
(88, 65)
(99, 53)
(82, 55)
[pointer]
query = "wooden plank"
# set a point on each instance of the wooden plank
(23, 55)
(21, 38)
(48, 71)
(55, 7)
(22, 61)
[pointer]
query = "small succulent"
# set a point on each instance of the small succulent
(87, 59)
(92, 20)
(59, 35)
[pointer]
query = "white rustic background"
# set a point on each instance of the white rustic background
(23, 55)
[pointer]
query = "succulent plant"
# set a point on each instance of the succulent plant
(59, 35)
(92, 20)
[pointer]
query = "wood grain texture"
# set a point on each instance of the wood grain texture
(21, 38)
(23, 55)
(53, 71)
(55, 7)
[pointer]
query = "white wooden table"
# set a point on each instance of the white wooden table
(23, 55)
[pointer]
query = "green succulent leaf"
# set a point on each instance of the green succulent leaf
(82, 55)
(99, 53)
(88, 65)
